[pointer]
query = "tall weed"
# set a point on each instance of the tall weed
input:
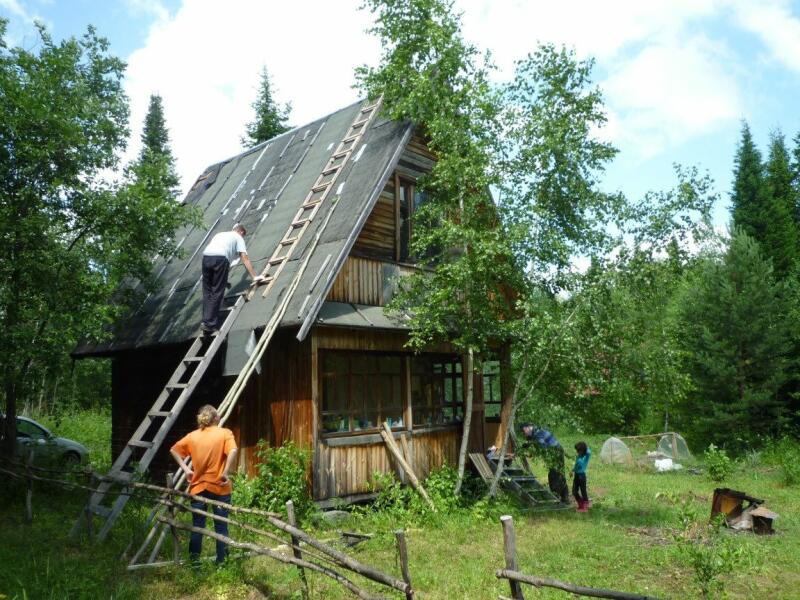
(281, 475)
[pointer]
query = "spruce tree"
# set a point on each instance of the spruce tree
(155, 167)
(749, 192)
(795, 167)
(735, 330)
(270, 118)
(781, 235)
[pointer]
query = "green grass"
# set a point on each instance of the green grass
(625, 542)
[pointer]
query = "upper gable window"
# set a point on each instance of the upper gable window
(408, 199)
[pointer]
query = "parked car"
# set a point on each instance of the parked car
(47, 448)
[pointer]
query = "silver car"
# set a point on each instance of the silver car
(46, 447)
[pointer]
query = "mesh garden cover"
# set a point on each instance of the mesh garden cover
(614, 451)
(665, 447)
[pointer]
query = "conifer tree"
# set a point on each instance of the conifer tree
(155, 168)
(781, 235)
(749, 191)
(795, 167)
(270, 118)
(735, 330)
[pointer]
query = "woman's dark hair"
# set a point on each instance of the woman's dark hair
(581, 448)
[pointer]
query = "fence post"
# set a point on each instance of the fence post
(292, 520)
(176, 548)
(29, 492)
(510, 548)
(402, 551)
(88, 476)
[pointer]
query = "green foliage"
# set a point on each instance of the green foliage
(281, 475)
(68, 237)
(552, 162)
(718, 463)
(785, 454)
(154, 171)
(270, 118)
(734, 331)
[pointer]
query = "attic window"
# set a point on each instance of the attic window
(407, 200)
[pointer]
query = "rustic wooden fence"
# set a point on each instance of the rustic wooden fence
(307, 552)
(516, 578)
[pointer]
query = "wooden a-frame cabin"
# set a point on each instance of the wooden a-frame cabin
(336, 367)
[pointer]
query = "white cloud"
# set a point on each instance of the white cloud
(15, 8)
(672, 91)
(206, 58)
(775, 25)
(154, 8)
(665, 80)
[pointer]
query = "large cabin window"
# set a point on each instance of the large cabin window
(437, 391)
(361, 391)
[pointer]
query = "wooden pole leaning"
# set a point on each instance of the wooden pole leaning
(291, 519)
(402, 552)
(510, 550)
(29, 490)
(176, 547)
(89, 476)
(276, 555)
(388, 438)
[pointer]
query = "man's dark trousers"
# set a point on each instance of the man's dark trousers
(215, 278)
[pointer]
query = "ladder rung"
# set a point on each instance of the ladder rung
(192, 359)
(159, 413)
(277, 261)
(140, 444)
(100, 510)
(122, 476)
(289, 241)
(310, 204)
(300, 223)
(177, 386)
(321, 186)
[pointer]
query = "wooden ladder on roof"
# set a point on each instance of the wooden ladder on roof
(167, 406)
(113, 492)
(319, 192)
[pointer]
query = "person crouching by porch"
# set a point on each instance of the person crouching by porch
(212, 451)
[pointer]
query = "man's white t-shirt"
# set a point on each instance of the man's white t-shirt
(228, 244)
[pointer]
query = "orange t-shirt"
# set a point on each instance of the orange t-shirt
(209, 449)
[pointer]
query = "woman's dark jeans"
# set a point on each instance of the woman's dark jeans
(579, 487)
(196, 539)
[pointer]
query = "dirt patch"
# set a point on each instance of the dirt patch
(651, 536)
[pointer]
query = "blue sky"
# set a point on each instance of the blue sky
(678, 75)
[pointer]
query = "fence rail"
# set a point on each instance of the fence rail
(307, 552)
(515, 577)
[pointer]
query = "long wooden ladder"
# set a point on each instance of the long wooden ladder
(319, 192)
(145, 442)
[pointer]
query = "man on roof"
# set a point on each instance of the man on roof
(223, 249)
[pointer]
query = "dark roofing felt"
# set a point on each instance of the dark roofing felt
(263, 188)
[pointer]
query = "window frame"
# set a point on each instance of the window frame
(490, 400)
(351, 411)
(405, 381)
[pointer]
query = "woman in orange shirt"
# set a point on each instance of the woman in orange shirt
(212, 451)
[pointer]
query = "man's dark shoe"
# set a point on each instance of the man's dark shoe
(207, 329)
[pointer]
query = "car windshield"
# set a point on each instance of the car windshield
(31, 430)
